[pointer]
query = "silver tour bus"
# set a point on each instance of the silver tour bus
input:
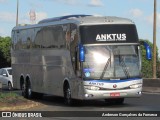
(78, 57)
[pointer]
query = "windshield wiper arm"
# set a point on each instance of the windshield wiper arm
(105, 68)
(124, 67)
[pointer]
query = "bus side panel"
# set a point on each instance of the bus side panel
(49, 69)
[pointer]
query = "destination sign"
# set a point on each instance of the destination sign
(95, 34)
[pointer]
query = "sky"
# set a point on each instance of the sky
(139, 11)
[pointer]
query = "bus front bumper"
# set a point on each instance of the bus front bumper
(99, 94)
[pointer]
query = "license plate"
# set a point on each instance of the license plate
(114, 94)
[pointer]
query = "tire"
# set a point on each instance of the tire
(24, 92)
(116, 101)
(10, 86)
(29, 92)
(67, 96)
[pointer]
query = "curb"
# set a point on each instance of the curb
(151, 85)
(151, 89)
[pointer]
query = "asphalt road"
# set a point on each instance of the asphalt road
(147, 102)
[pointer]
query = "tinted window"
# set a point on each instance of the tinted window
(50, 37)
(10, 71)
(0, 71)
(4, 72)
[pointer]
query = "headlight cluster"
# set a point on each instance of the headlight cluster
(136, 86)
(92, 87)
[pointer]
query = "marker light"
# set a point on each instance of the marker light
(136, 86)
(92, 87)
(81, 53)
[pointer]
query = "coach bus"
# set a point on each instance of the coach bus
(78, 57)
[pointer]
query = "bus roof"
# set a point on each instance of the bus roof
(89, 19)
(79, 20)
(62, 18)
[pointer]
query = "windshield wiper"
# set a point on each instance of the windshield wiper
(105, 68)
(124, 67)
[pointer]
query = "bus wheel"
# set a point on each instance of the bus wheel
(67, 95)
(24, 93)
(29, 90)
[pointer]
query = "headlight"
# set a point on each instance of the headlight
(91, 87)
(99, 58)
(136, 86)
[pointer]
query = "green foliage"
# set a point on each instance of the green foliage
(158, 68)
(147, 65)
(5, 56)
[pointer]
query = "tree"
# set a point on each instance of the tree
(5, 56)
(147, 69)
(158, 68)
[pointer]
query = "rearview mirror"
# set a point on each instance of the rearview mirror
(5, 75)
(148, 50)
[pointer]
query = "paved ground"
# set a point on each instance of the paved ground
(149, 101)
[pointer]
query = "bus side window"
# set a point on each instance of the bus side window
(66, 35)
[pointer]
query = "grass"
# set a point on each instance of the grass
(11, 99)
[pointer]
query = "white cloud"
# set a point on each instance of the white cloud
(96, 3)
(34, 4)
(3, 32)
(2, 1)
(41, 16)
(136, 12)
(70, 2)
(11, 17)
(149, 19)
(7, 16)
(26, 18)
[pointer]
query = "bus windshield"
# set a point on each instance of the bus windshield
(111, 62)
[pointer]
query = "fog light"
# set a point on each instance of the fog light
(139, 93)
(88, 95)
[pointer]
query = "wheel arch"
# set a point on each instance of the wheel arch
(65, 84)
(22, 80)
(28, 80)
